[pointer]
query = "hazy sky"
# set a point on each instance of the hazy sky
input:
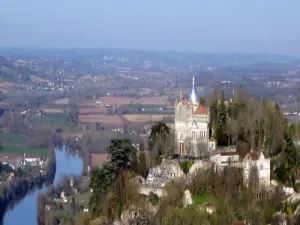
(214, 26)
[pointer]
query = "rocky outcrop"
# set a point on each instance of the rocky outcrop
(187, 198)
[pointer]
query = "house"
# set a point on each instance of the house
(253, 161)
(32, 158)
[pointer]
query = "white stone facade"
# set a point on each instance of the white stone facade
(253, 161)
(191, 127)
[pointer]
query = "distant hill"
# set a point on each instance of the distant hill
(139, 56)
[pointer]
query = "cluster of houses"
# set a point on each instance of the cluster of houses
(16, 161)
(170, 169)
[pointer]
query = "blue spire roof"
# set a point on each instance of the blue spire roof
(193, 94)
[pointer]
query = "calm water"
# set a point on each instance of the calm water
(25, 212)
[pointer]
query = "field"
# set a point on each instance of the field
(145, 117)
(105, 119)
(115, 101)
(52, 110)
(3, 90)
(50, 118)
(93, 110)
(21, 150)
(39, 79)
(62, 101)
(6, 84)
(12, 139)
(161, 100)
(16, 144)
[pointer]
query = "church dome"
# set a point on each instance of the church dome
(193, 94)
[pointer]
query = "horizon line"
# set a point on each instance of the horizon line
(144, 49)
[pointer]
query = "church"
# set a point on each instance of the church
(191, 125)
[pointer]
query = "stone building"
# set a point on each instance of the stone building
(253, 161)
(191, 125)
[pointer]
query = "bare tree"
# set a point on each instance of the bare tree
(202, 149)
(188, 147)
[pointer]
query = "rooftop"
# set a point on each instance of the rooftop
(97, 159)
(201, 110)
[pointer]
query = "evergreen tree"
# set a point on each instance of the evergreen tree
(142, 168)
(290, 153)
(221, 131)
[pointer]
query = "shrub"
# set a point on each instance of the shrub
(268, 215)
(186, 165)
(153, 198)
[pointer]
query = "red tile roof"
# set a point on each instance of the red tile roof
(254, 155)
(201, 110)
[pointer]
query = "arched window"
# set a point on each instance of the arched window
(180, 136)
(261, 167)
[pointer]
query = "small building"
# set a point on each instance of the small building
(253, 161)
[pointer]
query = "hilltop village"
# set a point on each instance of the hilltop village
(159, 145)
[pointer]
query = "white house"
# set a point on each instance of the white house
(253, 161)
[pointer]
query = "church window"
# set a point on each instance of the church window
(194, 135)
(261, 166)
(181, 136)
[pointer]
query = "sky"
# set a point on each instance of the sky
(209, 26)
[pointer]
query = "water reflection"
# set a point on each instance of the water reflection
(67, 163)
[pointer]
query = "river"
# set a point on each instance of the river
(25, 212)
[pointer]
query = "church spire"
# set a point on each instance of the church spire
(193, 82)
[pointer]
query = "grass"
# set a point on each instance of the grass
(12, 139)
(21, 150)
(15, 144)
(200, 198)
(50, 118)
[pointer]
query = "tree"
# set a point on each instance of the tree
(122, 154)
(290, 153)
(122, 158)
(159, 131)
(202, 101)
(221, 133)
(73, 206)
(142, 168)
(72, 113)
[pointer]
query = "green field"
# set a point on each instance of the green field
(21, 150)
(12, 139)
(50, 119)
(16, 144)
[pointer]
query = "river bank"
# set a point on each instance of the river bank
(14, 191)
(26, 211)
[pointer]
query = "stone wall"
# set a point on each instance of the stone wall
(199, 164)
(146, 189)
